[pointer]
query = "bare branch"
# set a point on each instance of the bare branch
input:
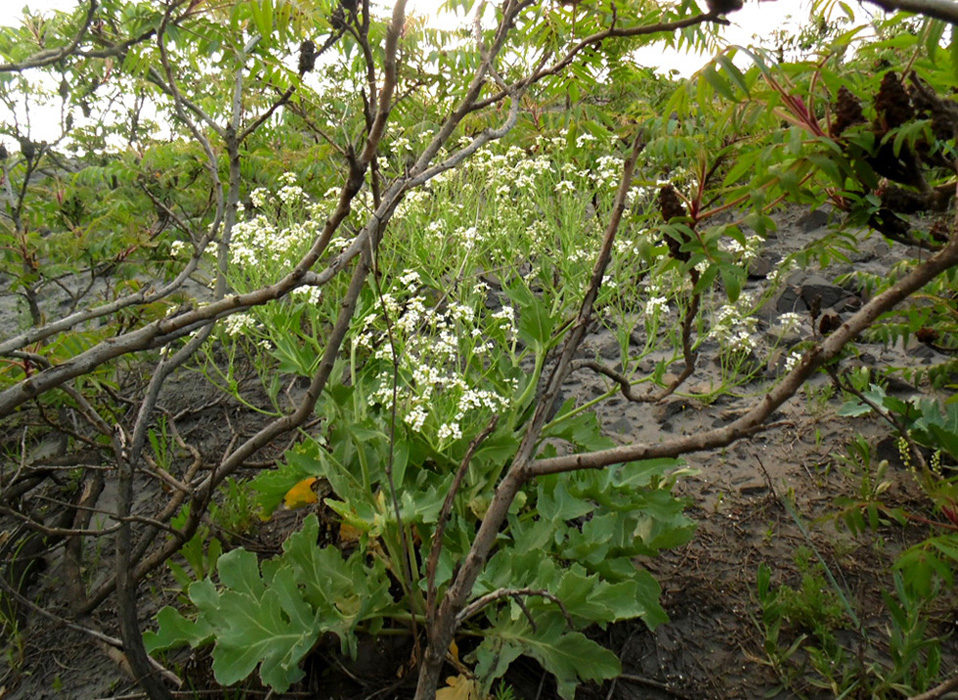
(594, 40)
(936, 9)
(751, 422)
(479, 603)
(938, 691)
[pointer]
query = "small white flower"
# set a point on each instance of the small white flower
(291, 194)
(177, 248)
(415, 418)
(259, 197)
(311, 295)
(792, 360)
(656, 305)
(584, 138)
(449, 430)
(239, 324)
(790, 320)
(565, 186)
(506, 314)
(741, 342)
(410, 279)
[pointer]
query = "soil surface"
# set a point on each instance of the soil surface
(758, 501)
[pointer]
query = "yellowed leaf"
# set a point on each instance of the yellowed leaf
(301, 494)
(349, 534)
(454, 651)
(459, 688)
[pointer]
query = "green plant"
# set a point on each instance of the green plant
(236, 512)
(357, 225)
(271, 616)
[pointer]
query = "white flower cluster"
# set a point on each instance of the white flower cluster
(512, 171)
(733, 326)
(414, 202)
(258, 241)
(584, 138)
(260, 197)
(239, 325)
(311, 295)
(433, 345)
(790, 321)
(469, 237)
(747, 252)
(656, 305)
(178, 248)
(792, 360)
(608, 170)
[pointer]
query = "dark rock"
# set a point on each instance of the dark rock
(803, 288)
(758, 268)
(672, 408)
(897, 385)
(610, 350)
(813, 220)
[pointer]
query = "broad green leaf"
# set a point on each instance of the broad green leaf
(176, 631)
(343, 592)
(271, 627)
(535, 323)
(568, 655)
(555, 503)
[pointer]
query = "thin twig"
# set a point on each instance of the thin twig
(479, 603)
(444, 515)
(938, 691)
(649, 682)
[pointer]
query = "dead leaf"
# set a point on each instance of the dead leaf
(301, 494)
(459, 688)
(349, 535)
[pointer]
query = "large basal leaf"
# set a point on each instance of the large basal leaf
(270, 626)
(568, 655)
(344, 592)
(176, 631)
(271, 615)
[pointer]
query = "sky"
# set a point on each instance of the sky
(756, 18)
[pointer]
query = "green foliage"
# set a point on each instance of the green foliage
(812, 616)
(272, 615)
(473, 288)
(573, 535)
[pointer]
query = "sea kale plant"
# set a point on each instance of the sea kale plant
(383, 246)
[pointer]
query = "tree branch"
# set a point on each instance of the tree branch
(752, 421)
(51, 56)
(936, 9)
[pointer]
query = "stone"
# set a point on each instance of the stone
(758, 268)
(813, 221)
(802, 288)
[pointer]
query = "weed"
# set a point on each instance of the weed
(237, 512)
